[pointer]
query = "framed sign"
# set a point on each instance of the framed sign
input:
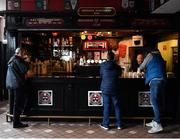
(97, 11)
(104, 55)
(12, 4)
(95, 98)
(144, 99)
(45, 97)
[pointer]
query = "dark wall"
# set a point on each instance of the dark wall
(178, 107)
(3, 67)
(11, 44)
(1, 94)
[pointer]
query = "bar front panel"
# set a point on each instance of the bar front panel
(69, 96)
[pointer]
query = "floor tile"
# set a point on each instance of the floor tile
(64, 129)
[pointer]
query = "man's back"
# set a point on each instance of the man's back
(16, 72)
(109, 72)
(155, 67)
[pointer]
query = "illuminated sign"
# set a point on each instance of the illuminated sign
(95, 45)
(97, 11)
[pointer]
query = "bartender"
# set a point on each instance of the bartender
(137, 63)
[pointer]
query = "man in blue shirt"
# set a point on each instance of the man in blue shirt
(109, 72)
(155, 76)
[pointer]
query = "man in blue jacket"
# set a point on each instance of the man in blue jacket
(15, 83)
(155, 76)
(109, 72)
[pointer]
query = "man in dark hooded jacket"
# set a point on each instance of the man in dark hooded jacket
(109, 72)
(15, 83)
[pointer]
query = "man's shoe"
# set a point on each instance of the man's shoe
(119, 128)
(20, 125)
(151, 123)
(104, 127)
(156, 128)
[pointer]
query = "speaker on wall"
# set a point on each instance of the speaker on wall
(137, 40)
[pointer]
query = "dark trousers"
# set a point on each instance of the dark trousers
(17, 100)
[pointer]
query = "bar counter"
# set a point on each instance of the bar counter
(69, 96)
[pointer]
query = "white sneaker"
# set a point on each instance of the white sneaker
(155, 128)
(150, 124)
(104, 127)
(119, 128)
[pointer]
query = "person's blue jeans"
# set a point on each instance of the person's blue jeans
(156, 87)
(106, 102)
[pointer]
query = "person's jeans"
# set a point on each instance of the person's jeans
(106, 112)
(156, 87)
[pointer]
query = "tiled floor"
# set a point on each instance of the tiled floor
(80, 129)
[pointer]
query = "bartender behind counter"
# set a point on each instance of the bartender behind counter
(135, 64)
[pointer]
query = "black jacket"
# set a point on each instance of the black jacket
(17, 68)
(109, 72)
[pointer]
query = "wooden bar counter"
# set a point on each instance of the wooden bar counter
(68, 96)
